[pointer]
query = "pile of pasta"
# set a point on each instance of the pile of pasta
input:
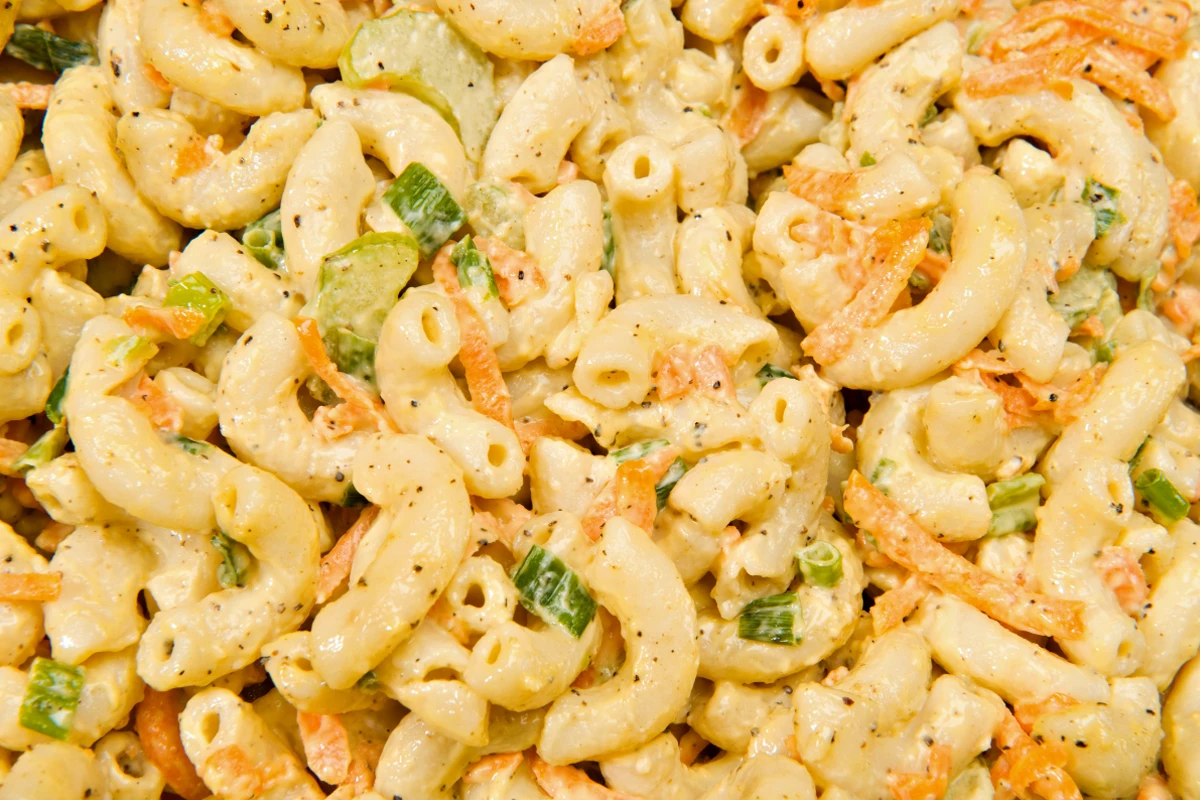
(598, 400)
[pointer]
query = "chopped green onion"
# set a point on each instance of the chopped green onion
(929, 116)
(51, 698)
(264, 239)
(58, 396)
(369, 682)
(1014, 503)
(353, 499)
(1103, 200)
(770, 372)
(191, 445)
(1166, 503)
(775, 620)
(662, 489)
(552, 590)
(48, 447)
(474, 268)
(866, 160)
(636, 451)
(883, 470)
(939, 234)
(231, 572)
(609, 260)
(47, 51)
(1145, 295)
(425, 205)
(1137, 454)
(919, 282)
(871, 540)
(197, 293)
(123, 350)
(1104, 352)
(821, 564)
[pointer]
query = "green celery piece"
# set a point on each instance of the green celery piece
(552, 590)
(353, 354)
(929, 116)
(608, 262)
(474, 268)
(1103, 352)
(196, 292)
(369, 682)
(49, 446)
(821, 564)
(424, 204)
(497, 210)
(636, 451)
(1014, 503)
(58, 396)
(47, 51)
(1089, 291)
(1014, 490)
(51, 698)
(919, 282)
(662, 489)
(770, 372)
(231, 572)
(264, 239)
(773, 619)
(1166, 503)
(124, 350)
(866, 160)
(1103, 200)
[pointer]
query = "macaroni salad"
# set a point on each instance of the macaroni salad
(599, 400)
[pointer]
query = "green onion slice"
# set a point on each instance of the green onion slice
(1166, 503)
(636, 451)
(821, 564)
(264, 239)
(231, 572)
(124, 350)
(775, 620)
(770, 372)
(58, 396)
(47, 51)
(49, 446)
(474, 268)
(552, 590)
(197, 293)
(662, 489)
(425, 205)
(51, 698)
(1103, 200)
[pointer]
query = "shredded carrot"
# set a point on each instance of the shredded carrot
(601, 31)
(891, 607)
(1092, 326)
(529, 430)
(156, 720)
(1063, 404)
(1120, 571)
(1027, 769)
(36, 186)
(570, 783)
(1052, 71)
(489, 392)
(630, 494)
(191, 158)
(326, 746)
(52, 536)
(830, 191)
(234, 763)
(177, 321)
(683, 371)
(501, 517)
(830, 88)
(915, 549)
(896, 249)
(487, 768)
(1182, 307)
(1184, 222)
(29, 95)
(517, 274)
(335, 565)
(1029, 712)
(215, 22)
(928, 785)
(1154, 787)
(155, 77)
(1069, 267)
(1019, 403)
(748, 115)
(342, 385)
(30, 587)
(1106, 68)
(10, 451)
(835, 676)
(691, 745)
(164, 411)
(1104, 23)
(868, 553)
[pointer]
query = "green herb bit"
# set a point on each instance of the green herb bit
(58, 396)
(425, 205)
(47, 51)
(929, 116)
(939, 234)
(51, 698)
(191, 446)
(775, 620)
(1166, 503)
(920, 282)
(609, 260)
(770, 372)
(883, 470)
(552, 590)
(474, 268)
(196, 292)
(1103, 200)
(369, 682)
(124, 350)
(1014, 503)
(264, 239)
(1104, 352)
(235, 561)
(662, 489)
(866, 160)
(821, 564)
(636, 451)
(1015, 490)
(49, 446)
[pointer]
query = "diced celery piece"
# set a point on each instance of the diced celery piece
(662, 489)
(196, 292)
(58, 396)
(51, 697)
(636, 451)
(47, 51)
(49, 446)
(770, 372)
(264, 239)
(235, 561)
(552, 590)
(424, 204)
(474, 268)
(1103, 200)
(775, 620)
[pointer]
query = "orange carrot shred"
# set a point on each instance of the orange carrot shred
(630, 494)
(156, 720)
(747, 117)
(485, 769)
(163, 411)
(342, 385)
(1120, 571)
(570, 783)
(335, 565)
(683, 371)
(1028, 712)
(155, 77)
(600, 32)
(177, 321)
(326, 746)
(928, 785)
(29, 95)
(530, 430)
(10, 451)
(891, 607)
(1024, 766)
(1043, 71)
(215, 22)
(516, 272)
(30, 587)
(192, 158)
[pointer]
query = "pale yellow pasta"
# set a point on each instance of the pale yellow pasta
(1181, 722)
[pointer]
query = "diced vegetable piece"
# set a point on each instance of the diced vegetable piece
(425, 205)
(474, 268)
(770, 372)
(58, 395)
(929, 116)
(191, 445)
(821, 564)
(353, 498)
(45, 50)
(866, 160)
(1014, 503)
(197, 293)
(48, 447)
(552, 590)
(369, 682)
(1165, 502)
(264, 239)
(1103, 200)
(124, 350)
(883, 470)
(231, 572)
(420, 53)
(636, 451)
(497, 210)
(775, 620)
(939, 235)
(608, 261)
(356, 288)
(662, 489)
(1103, 352)
(51, 698)
(1089, 291)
